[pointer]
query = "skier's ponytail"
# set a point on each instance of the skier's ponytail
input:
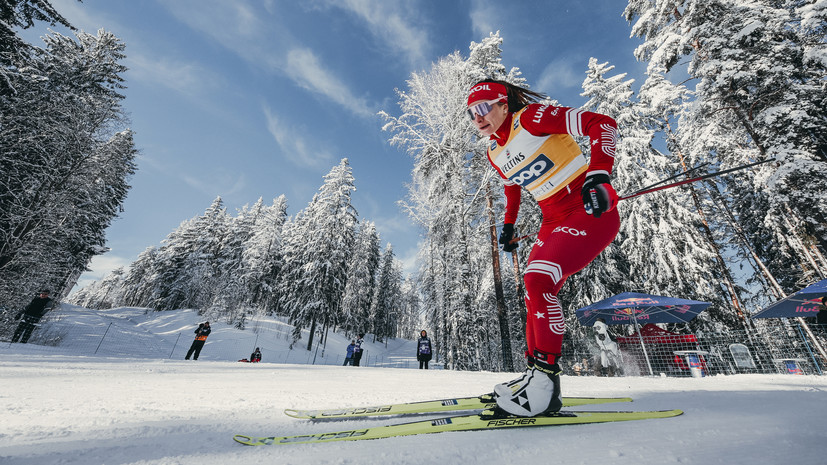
(518, 97)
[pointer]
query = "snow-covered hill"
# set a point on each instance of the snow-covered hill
(58, 406)
(137, 333)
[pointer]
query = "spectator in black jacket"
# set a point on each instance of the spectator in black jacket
(357, 351)
(30, 315)
(423, 350)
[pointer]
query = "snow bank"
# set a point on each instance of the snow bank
(76, 409)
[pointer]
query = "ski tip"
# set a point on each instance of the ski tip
(242, 439)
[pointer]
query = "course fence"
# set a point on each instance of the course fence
(780, 346)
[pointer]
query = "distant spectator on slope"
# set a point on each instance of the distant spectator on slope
(200, 338)
(30, 315)
(255, 356)
(357, 351)
(349, 356)
(423, 350)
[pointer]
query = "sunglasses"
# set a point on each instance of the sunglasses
(482, 108)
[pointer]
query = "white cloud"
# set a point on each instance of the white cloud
(259, 38)
(305, 69)
(237, 26)
(483, 16)
(219, 183)
(392, 25)
(560, 75)
(100, 266)
(292, 143)
(185, 78)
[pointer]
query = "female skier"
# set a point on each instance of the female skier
(532, 147)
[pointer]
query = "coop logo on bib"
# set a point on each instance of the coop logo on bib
(541, 165)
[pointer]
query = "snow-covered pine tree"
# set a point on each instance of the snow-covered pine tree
(14, 51)
(410, 316)
(664, 101)
(64, 161)
(759, 94)
(317, 254)
(262, 257)
(659, 249)
(174, 260)
(754, 90)
(387, 298)
(361, 281)
(139, 283)
(444, 195)
(208, 258)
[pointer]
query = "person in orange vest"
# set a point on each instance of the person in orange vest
(200, 338)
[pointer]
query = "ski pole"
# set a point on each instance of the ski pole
(699, 178)
(650, 189)
(672, 177)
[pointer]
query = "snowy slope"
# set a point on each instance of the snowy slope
(73, 409)
(135, 332)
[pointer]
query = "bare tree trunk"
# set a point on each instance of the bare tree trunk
(775, 288)
(502, 310)
(734, 297)
(518, 278)
(312, 332)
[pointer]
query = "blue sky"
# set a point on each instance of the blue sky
(258, 98)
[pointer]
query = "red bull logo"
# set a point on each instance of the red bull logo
(628, 311)
(679, 308)
(635, 301)
(628, 318)
(625, 314)
(808, 306)
(803, 309)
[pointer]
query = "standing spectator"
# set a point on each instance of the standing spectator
(349, 356)
(255, 356)
(357, 350)
(30, 315)
(200, 338)
(423, 350)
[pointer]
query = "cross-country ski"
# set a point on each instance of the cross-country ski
(486, 420)
(431, 406)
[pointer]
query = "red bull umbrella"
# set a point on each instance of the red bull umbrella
(803, 303)
(635, 308)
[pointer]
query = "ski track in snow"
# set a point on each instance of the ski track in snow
(72, 409)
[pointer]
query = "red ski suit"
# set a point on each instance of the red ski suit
(534, 149)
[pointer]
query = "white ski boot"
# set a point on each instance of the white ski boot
(510, 387)
(537, 393)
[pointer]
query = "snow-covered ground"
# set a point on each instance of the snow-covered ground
(89, 409)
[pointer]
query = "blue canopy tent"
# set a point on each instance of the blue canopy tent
(634, 307)
(804, 303)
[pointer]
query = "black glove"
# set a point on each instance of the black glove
(598, 195)
(506, 236)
